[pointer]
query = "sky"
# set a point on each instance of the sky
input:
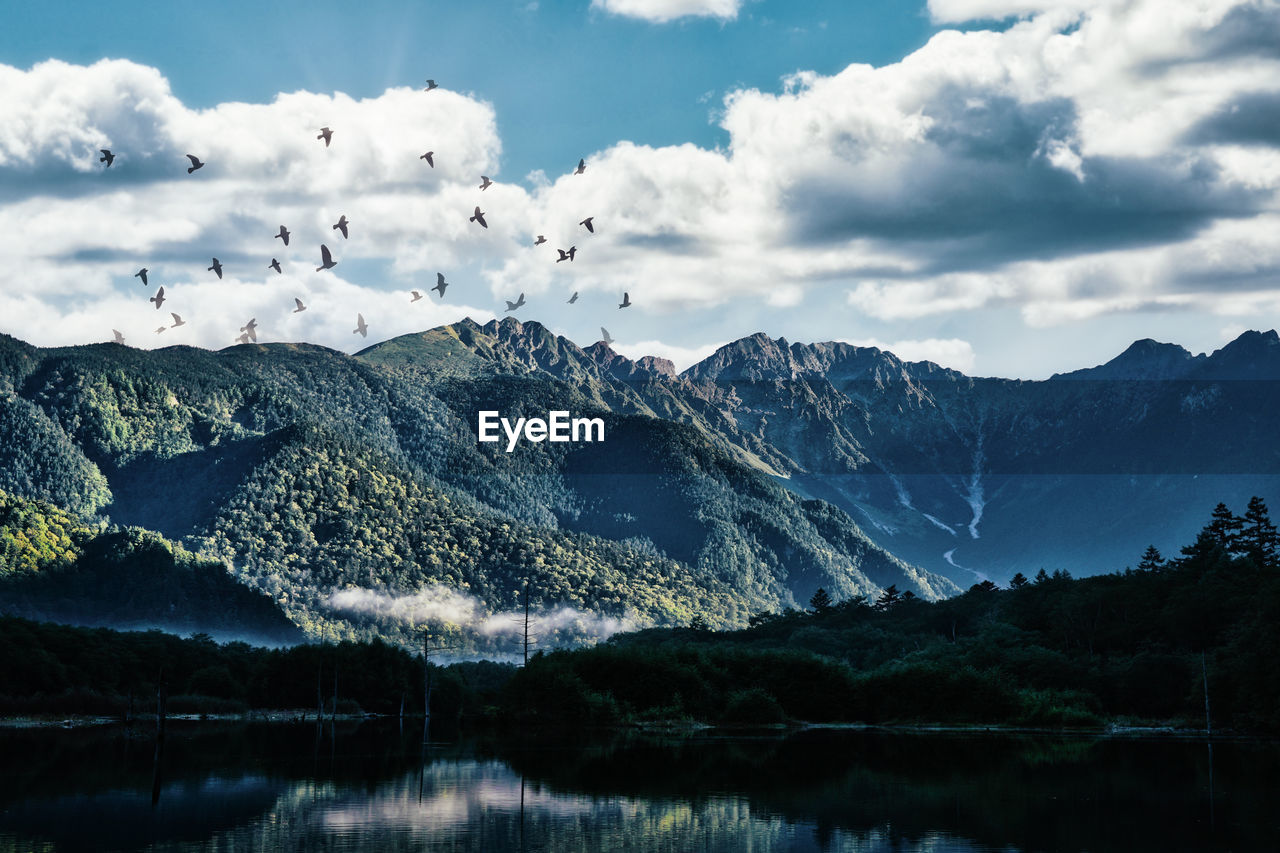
(1006, 187)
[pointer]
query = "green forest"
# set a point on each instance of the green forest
(1137, 647)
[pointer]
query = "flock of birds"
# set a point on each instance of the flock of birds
(249, 331)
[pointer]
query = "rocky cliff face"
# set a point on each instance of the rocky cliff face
(971, 477)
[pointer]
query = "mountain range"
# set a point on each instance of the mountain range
(352, 493)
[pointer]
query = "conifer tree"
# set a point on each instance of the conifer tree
(1152, 559)
(888, 599)
(821, 601)
(1225, 527)
(1258, 538)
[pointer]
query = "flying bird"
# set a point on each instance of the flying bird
(511, 306)
(626, 300)
(361, 326)
(195, 163)
(587, 223)
(604, 336)
(142, 274)
(275, 265)
(485, 183)
(326, 260)
(566, 256)
(582, 167)
(300, 308)
(478, 216)
(158, 299)
(107, 157)
(431, 84)
(326, 134)
(540, 240)
(284, 235)
(341, 225)
(161, 329)
(177, 321)
(416, 295)
(574, 298)
(119, 337)
(242, 339)
(251, 329)
(428, 157)
(441, 284)
(217, 268)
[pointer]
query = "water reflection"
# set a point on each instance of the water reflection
(376, 788)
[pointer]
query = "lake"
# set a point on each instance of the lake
(373, 786)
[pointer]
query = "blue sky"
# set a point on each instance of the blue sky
(1009, 187)
(565, 79)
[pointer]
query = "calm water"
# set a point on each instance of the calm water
(372, 787)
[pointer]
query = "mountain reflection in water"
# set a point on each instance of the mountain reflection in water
(374, 787)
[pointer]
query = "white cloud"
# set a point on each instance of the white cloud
(960, 11)
(1061, 169)
(948, 352)
(662, 11)
(681, 357)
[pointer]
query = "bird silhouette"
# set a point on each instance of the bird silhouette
(142, 274)
(341, 225)
(158, 299)
(326, 260)
(604, 336)
(431, 84)
(326, 134)
(566, 256)
(284, 235)
(107, 157)
(416, 295)
(119, 337)
(626, 300)
(195, 163)
(485, 183)
(251, 329)
(574, 298)
(217, 268)
(441, 284)
(361, 326)
(582, 167)
(242, 339)
(587, 223)
(300, 308)
(511, 306)
(540, 240)
(177, 321)
(275, 265)
(161, 329)
(429, 158)
(478, 216)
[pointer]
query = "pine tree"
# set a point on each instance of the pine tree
(1258, 538)
(821, 601)
(1042, 576)
(888, 599)
(1018, 581)
(1152, 559)
(1225, 527)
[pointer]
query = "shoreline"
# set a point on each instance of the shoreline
(1107, 731)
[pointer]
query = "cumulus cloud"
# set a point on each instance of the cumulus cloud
(954, 353)
(961, 11)
(662, 11)
(681, 357)
(1091, 157)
